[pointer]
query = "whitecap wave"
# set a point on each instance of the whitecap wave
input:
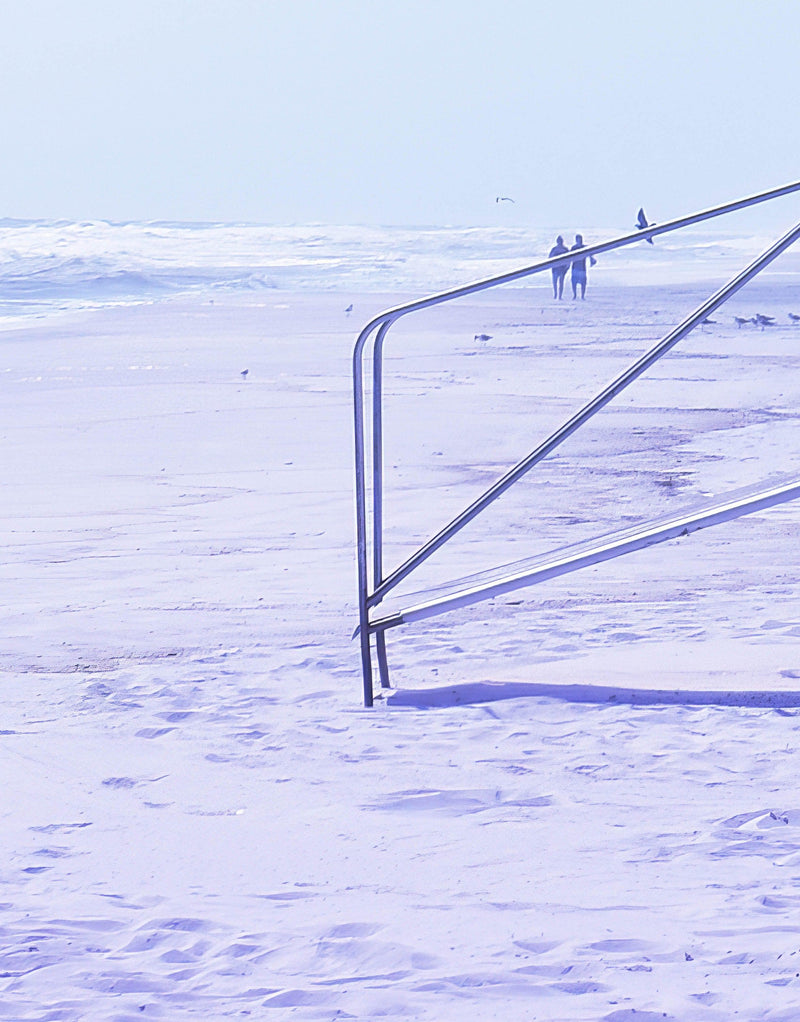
(61, 264)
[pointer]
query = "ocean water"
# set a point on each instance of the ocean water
(48, 266)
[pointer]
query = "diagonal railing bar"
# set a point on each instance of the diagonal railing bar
(486, 576)
(379, 327)
(384, 320)
(553, 565)
(584, 414)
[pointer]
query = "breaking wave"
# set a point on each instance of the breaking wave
(46, 265)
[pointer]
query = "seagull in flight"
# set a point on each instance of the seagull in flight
(503, 198)
(642, 224)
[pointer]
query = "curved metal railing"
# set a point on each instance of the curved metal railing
(371, 591)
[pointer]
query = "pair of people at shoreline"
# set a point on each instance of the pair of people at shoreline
(577, 266)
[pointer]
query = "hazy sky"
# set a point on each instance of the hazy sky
(384, 112)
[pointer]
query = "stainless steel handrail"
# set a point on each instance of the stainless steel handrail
(381, 324)
(601, 550)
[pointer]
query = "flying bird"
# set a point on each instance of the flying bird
(503, 198)
(642, 224)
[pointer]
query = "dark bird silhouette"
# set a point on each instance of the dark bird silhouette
(794, 317)
(764, 320)
(349, 309)
(483, 338)
(740, 321)
(244, 373)
(503, 198)
(642, 224)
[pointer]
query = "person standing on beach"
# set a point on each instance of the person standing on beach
(559, 272)
(578, 270)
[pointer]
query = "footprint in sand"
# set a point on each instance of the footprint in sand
(122, 783)
(59, 828)
(634, 1015)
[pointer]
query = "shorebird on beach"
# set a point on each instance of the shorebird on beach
(763, 321)
(349, 309)
(794, 317)
(642, 224)
(740, 321)
(483, 338)
(244, 373)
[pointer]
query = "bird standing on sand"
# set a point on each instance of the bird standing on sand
(740, 321)
(244, 373)
(483, 338)
(349, 309)
(794, 317)
(764, 320)
(642, 224)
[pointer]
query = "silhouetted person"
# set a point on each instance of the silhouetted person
(578, 270)
(559, 272)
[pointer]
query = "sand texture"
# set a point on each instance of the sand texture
(577, 802)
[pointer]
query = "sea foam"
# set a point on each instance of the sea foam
(54, 265)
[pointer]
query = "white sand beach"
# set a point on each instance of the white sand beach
(577, 802)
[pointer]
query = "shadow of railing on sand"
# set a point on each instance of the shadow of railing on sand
(490, 692)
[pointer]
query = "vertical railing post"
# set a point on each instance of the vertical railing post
(377, 453)
(377, 488)
(361, 512)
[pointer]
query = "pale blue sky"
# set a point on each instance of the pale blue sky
(383, 112)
